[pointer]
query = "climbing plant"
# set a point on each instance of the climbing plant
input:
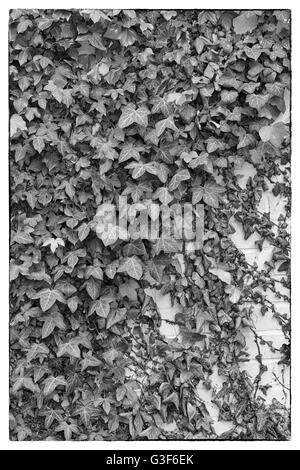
(157, 106)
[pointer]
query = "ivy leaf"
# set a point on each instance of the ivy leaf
(44, 23)
(110, 355)
(23, 25)
(156, 270)
(245, 140)
(72, 260)
(89, 361)
(52, 382)
(161, 105)
(51, 416)
(73, 303)
(31, 199)
(213, 144)
(54, 243)
(257, 101)
(152, 168)
(86, 411)
(83, 231)
(182, 175)
(20, 153)
(23, 238)
(109, 235)
(94, 271)
(228, 81)
(162, 172)
(101, 307)
(173, 398)
(250, 87)
(17, 123)
(235, 115)
(163, 195)
(197, 194)
(70, 348)
(112, 269)
(68, 429)
(199, 45)
(115, 316)
(132, 267)
(194, 160)
(138, 169)
(246, 22)
(168, 14)
(93, 288)
(234, 293)
(113, 31)
(210, 196)
(130, 115)
(225, 276)
(223, 317)
(36, 350)
(229, 96)
(24, 83)
(39, 372)
(128, 152)
(95, 15)
(27, 383)
(48, 298)
(276, 89)
(55, 90)
(252, 52)
(127, 37)
(39, 144)
(96, 40)
(164, 124)
(135, 247)
(275, 133)
(210, 193)
(53, 320)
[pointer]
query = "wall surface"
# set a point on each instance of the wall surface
(277, 376)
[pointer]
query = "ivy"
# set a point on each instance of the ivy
(155, 106)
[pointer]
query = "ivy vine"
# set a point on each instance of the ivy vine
(153, 105)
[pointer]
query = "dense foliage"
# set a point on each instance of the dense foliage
(154, 105)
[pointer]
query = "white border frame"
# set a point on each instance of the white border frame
(5, 444)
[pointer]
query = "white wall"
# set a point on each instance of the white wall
(266, 325)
